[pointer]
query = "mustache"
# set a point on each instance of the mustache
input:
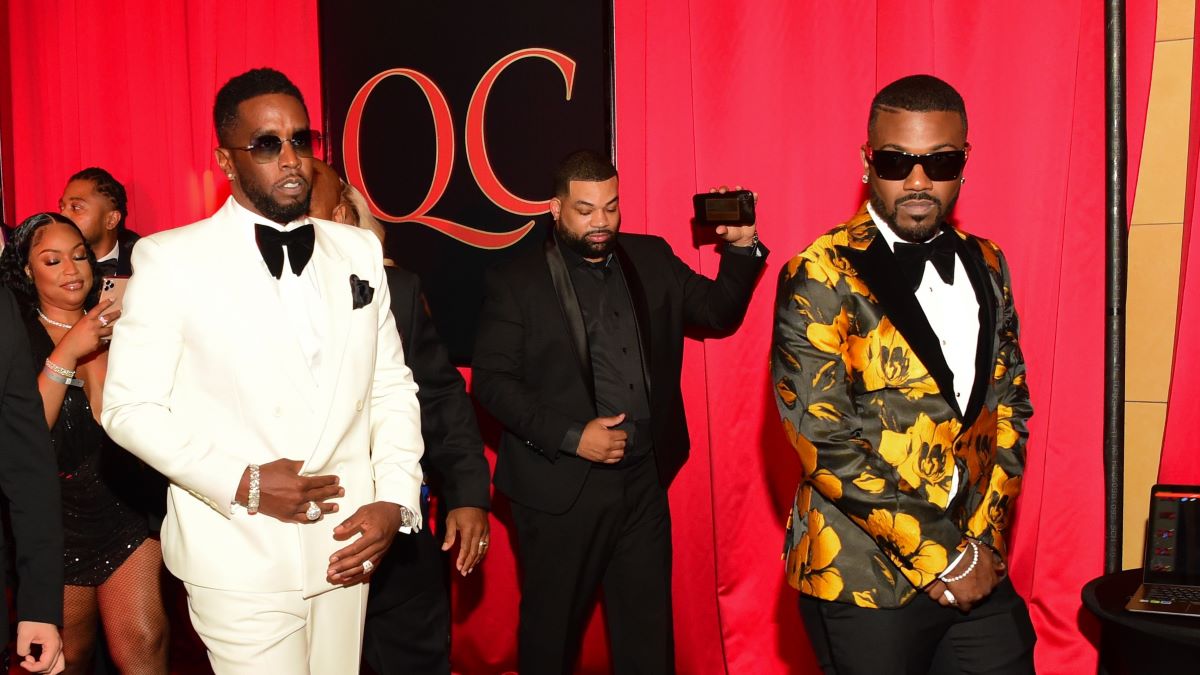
(918, 196)
(293, 175)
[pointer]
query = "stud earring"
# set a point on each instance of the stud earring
(962, 180)
(865, 179)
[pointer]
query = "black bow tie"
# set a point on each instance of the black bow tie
(106, 268)
(299, 243)
(912, 258)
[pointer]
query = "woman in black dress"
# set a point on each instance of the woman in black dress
(113, 566)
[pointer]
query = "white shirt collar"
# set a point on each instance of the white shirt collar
(246, 215)
(889, 235)
(249, 219)
(114, 254)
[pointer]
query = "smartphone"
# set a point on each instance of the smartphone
(113, 288)
(724, 208)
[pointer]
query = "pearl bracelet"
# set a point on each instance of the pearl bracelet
(970, 568)
(253, 495)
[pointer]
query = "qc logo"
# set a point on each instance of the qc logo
(476, 150)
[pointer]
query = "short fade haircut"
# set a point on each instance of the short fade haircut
(252, 83)
(587, 165)
(917, 93)
(108, 186)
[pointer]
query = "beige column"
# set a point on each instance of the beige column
(1154, 246)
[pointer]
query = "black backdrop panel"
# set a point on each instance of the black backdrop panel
(385, 66)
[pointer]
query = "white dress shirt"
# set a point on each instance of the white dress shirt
(953, 313)
(114, 254)
(300, 296)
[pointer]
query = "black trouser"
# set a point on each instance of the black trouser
(408, 610)
(617, 535)
(995, 637)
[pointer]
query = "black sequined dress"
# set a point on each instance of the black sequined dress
(100, 529)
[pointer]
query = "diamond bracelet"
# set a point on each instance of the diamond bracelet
(254, 493)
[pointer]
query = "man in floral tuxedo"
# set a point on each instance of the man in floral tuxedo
(900, 382)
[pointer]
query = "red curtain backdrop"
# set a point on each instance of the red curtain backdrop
(773, 96)
(1180, 459)
(128, 85)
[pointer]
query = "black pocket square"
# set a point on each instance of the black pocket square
(360, 291)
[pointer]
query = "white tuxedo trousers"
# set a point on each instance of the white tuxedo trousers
(256, 633)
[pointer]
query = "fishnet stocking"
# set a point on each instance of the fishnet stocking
(79, 628)
(131, 608)
(129, 604)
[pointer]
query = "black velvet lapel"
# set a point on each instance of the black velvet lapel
(641, 309)
(877, 266)
(571, 312)
(985, 294)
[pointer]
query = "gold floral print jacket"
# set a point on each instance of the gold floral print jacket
(866, 400)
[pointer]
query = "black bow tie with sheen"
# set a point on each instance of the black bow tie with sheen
(106, 268)
(299, 243)
(912, 258)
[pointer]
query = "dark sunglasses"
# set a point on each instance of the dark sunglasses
(896, 165)
(266, 148)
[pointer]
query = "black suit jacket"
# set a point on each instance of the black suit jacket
(29, 478)
(124, 263)
(453, 448)
(126, 238)
(532, 369)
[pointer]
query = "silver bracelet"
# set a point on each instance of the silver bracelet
(59, 369)
(254, 493)
(69, 381)
(753, 242)
(970, 568)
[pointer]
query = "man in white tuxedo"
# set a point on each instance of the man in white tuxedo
(271, 390)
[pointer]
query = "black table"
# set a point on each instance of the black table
(1133, 642)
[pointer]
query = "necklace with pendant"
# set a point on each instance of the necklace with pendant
(52, 322)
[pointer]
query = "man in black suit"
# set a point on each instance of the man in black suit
(97, 204)
(29, 478)
(408, 610)
(579, 353)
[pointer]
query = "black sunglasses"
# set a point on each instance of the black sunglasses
(266, 148)
(896, 165)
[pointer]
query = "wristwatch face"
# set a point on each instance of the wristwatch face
(407, 519)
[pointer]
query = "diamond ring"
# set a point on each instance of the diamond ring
(483, 543)
(368, 566)
(103, 320)
(949, 597)
(313, 512)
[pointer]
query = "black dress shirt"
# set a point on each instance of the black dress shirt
(619, 378)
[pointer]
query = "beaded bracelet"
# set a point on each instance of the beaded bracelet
(970, 568)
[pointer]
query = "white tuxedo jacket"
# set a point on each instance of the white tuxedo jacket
(204, 378)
